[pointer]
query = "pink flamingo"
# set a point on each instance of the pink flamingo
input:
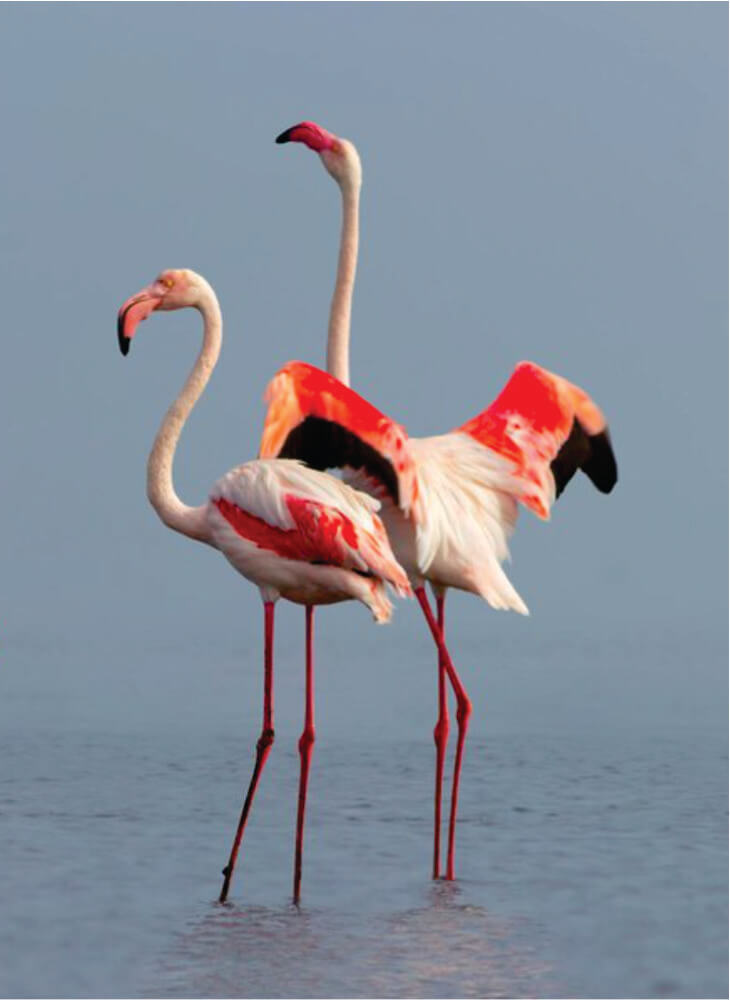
(452, 529)
(293, 531)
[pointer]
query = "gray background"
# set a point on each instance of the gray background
(540, 181)
(543, 182)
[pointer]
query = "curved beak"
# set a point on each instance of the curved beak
(285, 136)
(131, 315)
(309, 133)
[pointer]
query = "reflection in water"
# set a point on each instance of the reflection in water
(447, 943)
(443, 948)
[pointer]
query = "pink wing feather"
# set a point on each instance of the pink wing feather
(547, 428)
(347, 534)
(314, 417)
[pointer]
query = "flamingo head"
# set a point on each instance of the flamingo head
(173, 289)
(339, 156)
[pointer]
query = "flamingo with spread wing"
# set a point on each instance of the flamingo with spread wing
(450, 501)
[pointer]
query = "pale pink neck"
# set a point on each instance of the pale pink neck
(338, 335)
(172, 511)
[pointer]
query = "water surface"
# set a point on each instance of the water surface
(591, 848)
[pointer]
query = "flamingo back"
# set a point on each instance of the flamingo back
(301, 514)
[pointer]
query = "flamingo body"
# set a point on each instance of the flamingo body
(303, 535)
(470, 517)
(523, 448)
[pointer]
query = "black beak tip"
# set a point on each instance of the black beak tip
(284, 136)
(124, 341)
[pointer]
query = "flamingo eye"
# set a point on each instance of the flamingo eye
(167, 282)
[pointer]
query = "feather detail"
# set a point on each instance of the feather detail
(314, 417)
(547, 428)
(302, 514)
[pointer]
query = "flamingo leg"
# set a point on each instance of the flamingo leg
(440, 736)
(463, 713)
(263, 746)
(306, 744)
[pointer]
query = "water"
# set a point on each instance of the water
(591, 849)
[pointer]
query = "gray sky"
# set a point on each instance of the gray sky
(540, 181)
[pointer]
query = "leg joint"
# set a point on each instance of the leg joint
(306, 740)
(464, 710)
(441, 731)
(265, 740)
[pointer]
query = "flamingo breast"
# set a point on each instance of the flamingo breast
(467, 492)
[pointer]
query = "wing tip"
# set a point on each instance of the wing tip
(601, 467)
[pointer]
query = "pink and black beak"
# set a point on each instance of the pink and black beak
(309, 133)
(132, 313)
(285, 136)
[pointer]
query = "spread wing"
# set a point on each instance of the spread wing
(315, 418)
(548, 428)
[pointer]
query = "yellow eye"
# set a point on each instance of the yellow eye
(168, 282)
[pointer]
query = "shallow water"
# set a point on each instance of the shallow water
(591, 848)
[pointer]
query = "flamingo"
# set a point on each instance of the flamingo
(295, 532)
(452, 529)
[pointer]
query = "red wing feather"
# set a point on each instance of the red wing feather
(316, 418)
(547, 427)
(321, 535)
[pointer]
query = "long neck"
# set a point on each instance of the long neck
(338, 335)
(172, 511)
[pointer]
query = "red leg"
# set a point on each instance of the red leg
(440, 736)
(463, 713)
(306, 743)
(262, 747)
